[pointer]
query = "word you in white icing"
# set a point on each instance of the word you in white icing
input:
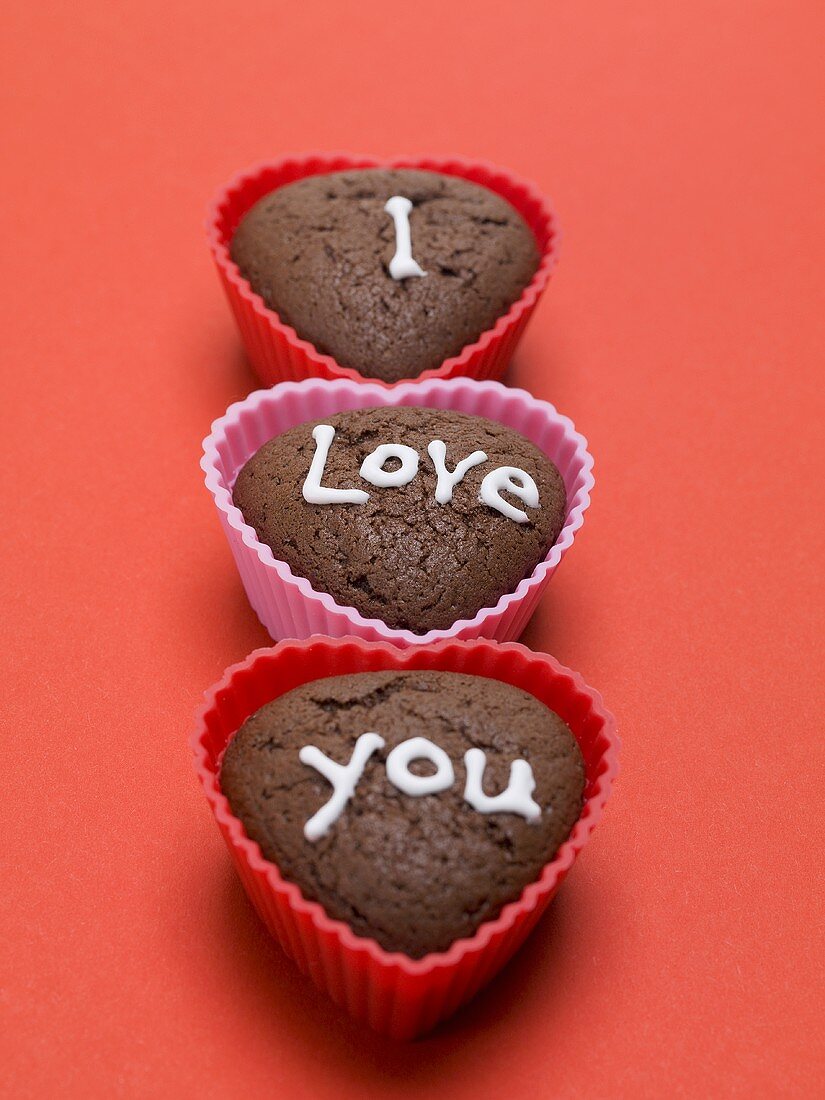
(515, 799)
(402, 265)
(504, 479)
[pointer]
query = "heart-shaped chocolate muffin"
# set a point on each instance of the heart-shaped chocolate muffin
(415, 516)
(410, 805)
(389, 271)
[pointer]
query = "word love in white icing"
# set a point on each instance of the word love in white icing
(504, 479)
(515, 799)
(402, 265)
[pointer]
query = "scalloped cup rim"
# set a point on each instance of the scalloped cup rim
(222, 496)
(452, 365)
(531, 895)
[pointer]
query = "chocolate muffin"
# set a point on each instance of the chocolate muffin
(403, 846)
(320, 253)
(356, 505)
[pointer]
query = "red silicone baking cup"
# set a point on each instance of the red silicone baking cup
(275, 349)
(288, 605)
(393, 994)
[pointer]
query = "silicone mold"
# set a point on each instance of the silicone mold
(275, 349)
(288, 605)
(396, 995)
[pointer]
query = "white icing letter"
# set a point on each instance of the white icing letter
(402, 265)
(344, 780)
(516, 799)
(372, 468)
(314, 492)
(447, 481)
(512, 480)
(401, 777)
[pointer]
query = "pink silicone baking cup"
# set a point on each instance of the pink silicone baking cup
(392, 993)
(275, 349)
(288, 605)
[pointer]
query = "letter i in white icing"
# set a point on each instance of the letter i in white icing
(316, 493)
(437, 450)
(509, 479)
(402, 265)
(344, 780)
(515, 799)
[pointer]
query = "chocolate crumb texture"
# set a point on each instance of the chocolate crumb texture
(402, 557)
(413, 873)
(318, 252)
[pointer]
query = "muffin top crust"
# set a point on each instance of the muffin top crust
(319, 252)
(420, 852)
(421, 554)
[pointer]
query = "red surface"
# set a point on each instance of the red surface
(395, 995)
(682, 331)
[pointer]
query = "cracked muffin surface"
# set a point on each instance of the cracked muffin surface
(413, 873)
(402, 557)
(318, 253)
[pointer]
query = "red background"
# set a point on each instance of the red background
(682, 146)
